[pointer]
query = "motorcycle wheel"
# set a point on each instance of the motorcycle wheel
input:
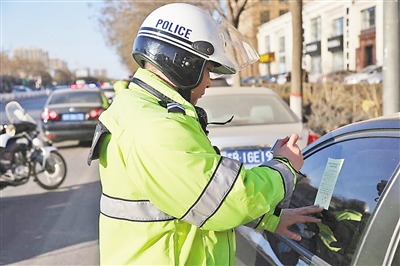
(54, 172)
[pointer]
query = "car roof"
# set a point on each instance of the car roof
(68, 90)
(387, 123)
(238, 90)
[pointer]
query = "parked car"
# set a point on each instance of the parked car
(273, 78)
(287, 77)
(72, 114)
(374, 78)
(20, 88)
(353, 172)
(362, 74)
(250, 80)
(109, 92)
(335, 76)
(260, 117)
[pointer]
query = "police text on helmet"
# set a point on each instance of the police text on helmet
(177, 29)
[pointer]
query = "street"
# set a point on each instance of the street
(60, 227)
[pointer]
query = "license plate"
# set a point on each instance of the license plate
(256, 156)
(73, 117)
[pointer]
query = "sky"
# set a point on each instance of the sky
(67, 29)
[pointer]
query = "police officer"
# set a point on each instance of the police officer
(168, 198)
(120, 85)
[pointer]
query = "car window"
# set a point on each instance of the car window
(246, 109)
(368, 163)
(76, 97)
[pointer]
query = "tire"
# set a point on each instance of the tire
(54, 172)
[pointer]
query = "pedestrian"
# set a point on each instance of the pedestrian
(168, 197)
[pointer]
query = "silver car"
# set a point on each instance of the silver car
(354, 172)
(363, 74)
(259, 118)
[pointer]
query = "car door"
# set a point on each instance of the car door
(352, 173)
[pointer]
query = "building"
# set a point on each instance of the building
(56, 63)
(257, 13)
(100, 72)
(337, 35)
(82, 73)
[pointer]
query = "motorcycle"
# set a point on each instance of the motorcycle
(25, 153)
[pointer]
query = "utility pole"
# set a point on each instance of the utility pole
(296, 87)
(391, 57)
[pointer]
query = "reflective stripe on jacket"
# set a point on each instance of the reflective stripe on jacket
(168, 197)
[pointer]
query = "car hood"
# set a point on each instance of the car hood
(256, 136)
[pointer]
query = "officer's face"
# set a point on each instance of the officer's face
(205, 83)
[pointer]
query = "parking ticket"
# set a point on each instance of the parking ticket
(328, 182)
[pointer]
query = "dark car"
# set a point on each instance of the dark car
(354, 173)
(70, 114)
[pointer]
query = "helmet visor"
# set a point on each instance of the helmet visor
(240, 53)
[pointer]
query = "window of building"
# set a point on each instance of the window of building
(264, 16)
(337, 27)
(267, 44)
(282, 58)
(282, 44)
(316, 29)
(338, 60)
(368, 18)
(281, 12)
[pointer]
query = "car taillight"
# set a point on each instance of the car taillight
(95, 113)
(48, 115)
(312, 136)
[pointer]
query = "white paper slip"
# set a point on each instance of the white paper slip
(328, 182)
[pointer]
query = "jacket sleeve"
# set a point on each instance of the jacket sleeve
(175, 166)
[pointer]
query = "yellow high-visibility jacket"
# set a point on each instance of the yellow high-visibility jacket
(168, 197)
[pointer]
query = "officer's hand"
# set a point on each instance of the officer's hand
(288, 148)
(293, 216)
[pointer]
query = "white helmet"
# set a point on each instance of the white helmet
(180, 38)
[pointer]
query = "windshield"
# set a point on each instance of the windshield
(17, 114)
(76, 97)
(256, 109)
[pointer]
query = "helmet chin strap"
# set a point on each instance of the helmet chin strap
(185, 94)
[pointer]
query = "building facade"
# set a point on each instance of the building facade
(257, 13)
(337, 35)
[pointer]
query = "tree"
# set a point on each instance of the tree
(62, 77)
(121, 20)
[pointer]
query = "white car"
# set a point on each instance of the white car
(260, 117)
(363, 74)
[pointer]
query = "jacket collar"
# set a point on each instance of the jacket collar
(159, 84)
